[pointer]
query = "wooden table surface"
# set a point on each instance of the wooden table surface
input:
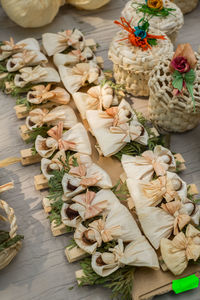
(40, 271)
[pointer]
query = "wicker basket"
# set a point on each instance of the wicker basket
(88, 4)
(9, 253)
(172, 113)
(186, 5)
(132, 65)
(170, 25)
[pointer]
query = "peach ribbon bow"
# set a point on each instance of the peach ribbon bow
(91, 210)
(106, 234)
(81, 171)
(56, 133)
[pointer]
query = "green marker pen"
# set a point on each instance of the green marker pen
(185, 284)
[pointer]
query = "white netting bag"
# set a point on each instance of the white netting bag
(173, 113)
(132, 65)
(170, 25)
(186, 5)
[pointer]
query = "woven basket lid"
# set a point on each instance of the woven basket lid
(126, 55)
(169, 24)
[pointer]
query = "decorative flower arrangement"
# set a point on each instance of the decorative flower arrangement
(139, 36)
(182, 67)
(155, 8)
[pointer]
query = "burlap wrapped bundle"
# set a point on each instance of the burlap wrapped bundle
(132, 65)
(186, 6)
(170, 25)
(173, 113)
(9, 253)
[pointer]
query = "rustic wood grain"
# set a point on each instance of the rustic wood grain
(41, 271)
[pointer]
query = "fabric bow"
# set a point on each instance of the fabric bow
(58, 42)
(34, 75)
(181, 219)
(81, 172)
(80, 75)
(158, 189)
(107, 234)
(158, 166)
(177, 252)
(86, 201)
(9, 47)
(40, 116)
(56, 133)
(42, 93)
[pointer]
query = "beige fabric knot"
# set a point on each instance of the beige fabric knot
(180, 219)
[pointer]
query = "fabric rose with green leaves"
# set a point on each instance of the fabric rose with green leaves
(182, 66)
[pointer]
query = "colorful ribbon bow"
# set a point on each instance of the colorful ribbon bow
(138, 36)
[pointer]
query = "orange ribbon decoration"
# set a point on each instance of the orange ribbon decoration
(136, 40)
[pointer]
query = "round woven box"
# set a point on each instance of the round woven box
(186, 5)
(132, 65)
(9, 253)
(173, 113)
(170, 25)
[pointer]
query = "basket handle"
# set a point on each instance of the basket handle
(11, 218)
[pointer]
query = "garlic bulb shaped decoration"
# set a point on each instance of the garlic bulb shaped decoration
(32, 13)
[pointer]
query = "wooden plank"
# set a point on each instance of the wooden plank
(58, 229)
(22, 112)
(192, 189)
(40, 182)
(79, 274)
(23, 132)
(46, 203)
(178, 157)
(75, 254)
(91, 44)
(100, 61)
(27, 157)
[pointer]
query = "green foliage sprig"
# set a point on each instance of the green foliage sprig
(121, 191)
(120, 282)
(55, 215)
(37, 131)
(165, 12)
(6, 241)
(135, 149)
(55, 182)
(179, 79)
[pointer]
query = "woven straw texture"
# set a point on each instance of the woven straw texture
(132, 65)
(172, 113)
(9, 253)
(88, 4)
(186, 5)
(170, 25)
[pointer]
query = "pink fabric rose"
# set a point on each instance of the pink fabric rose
(180, 64)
